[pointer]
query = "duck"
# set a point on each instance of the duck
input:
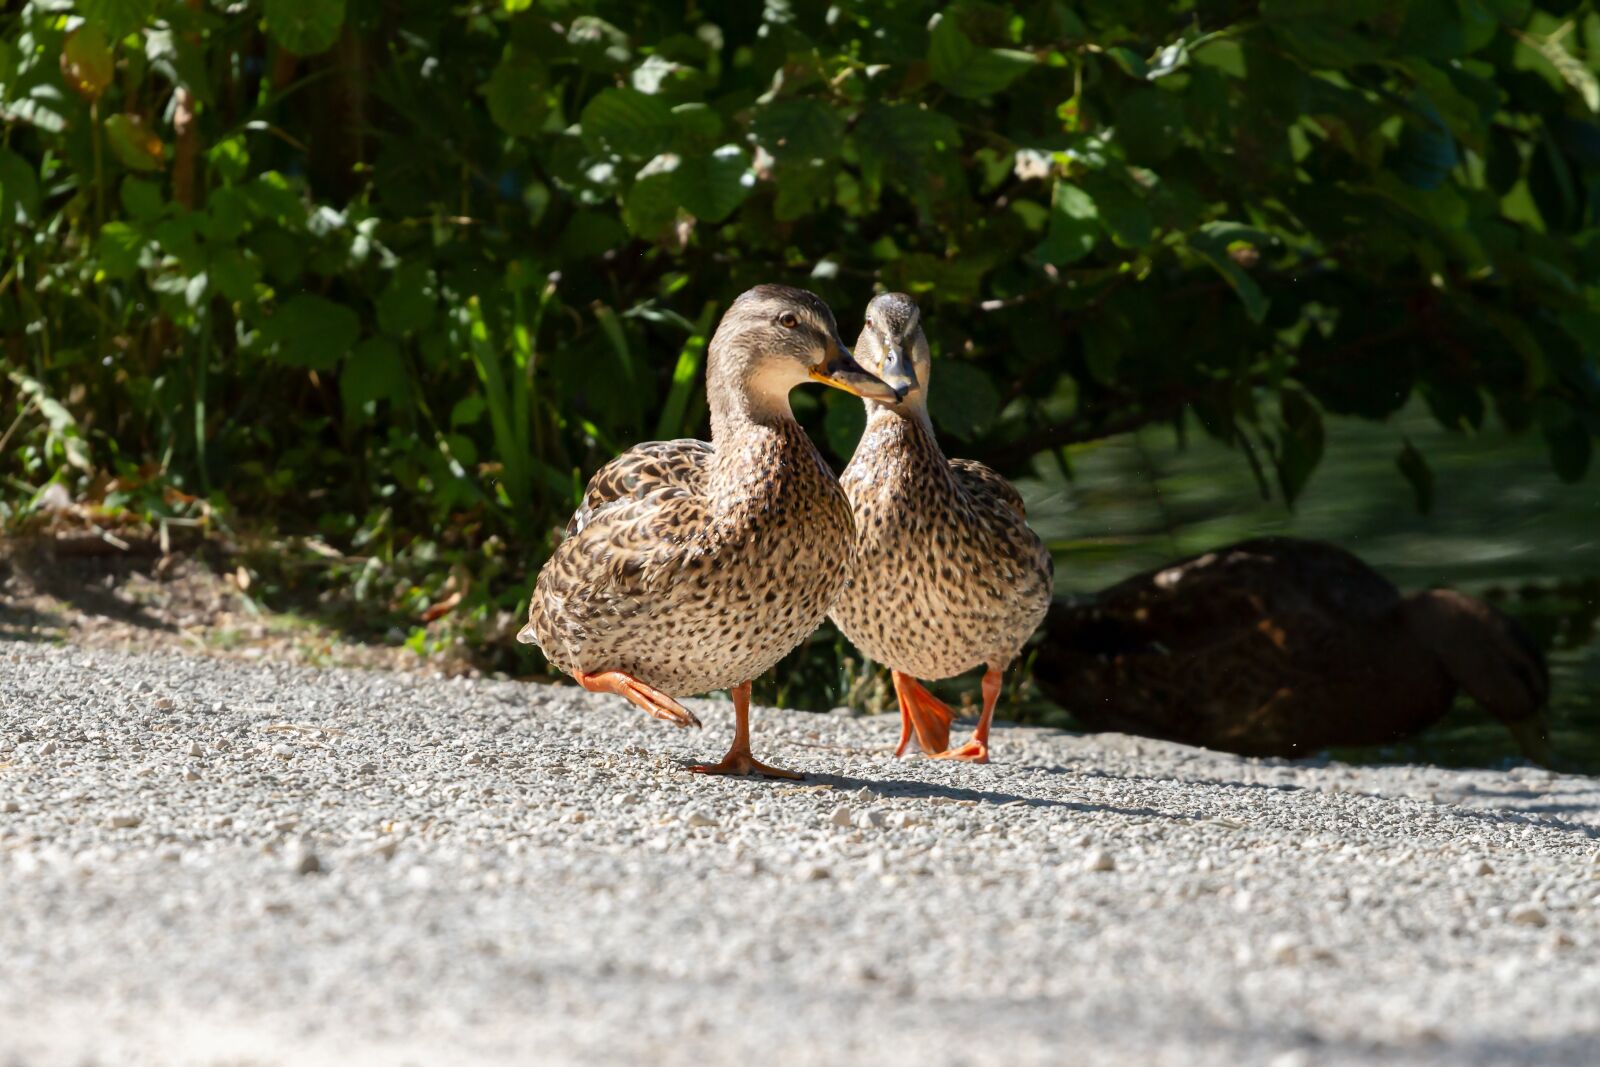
(1279, 646)
(692, 566)
(948, 574)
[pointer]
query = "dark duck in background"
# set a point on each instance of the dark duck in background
(1281, 647)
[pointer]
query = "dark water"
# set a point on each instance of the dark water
(1502, 526)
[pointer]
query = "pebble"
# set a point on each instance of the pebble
(123, 821)
(283, 751)
(303, 860)
(696, 817)
(814, 872)
(190, 774)
(47, 748)
(9, 806)
(842, 816)
(872, 818)
(1528, 915)
(1482, 867)
(165, 704)
(194, 749)
(1099, 860)
(625, 800)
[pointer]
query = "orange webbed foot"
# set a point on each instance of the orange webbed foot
(652, 700)
(973, 751)
(742, 763)
(921, 714)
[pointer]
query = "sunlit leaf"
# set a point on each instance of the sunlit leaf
(134, 143)
(86, 61)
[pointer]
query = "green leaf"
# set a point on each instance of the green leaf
(119, 247)
(374, 371)
(712, 187)
(598, 45)
(1426, 153)
(409, 302)
(1216, 243)
(627, 123)
(133, 143)
(235, 274)
(1123, 213)
(967, 69)
(843, 423)
(116, 18)
(141, 199)
(305, 27)
(86, 61)
(1074, 226)
(652, 203)
(1300, 443)
(961, 398)
(311, 331)
(516, 94)
(902, 138)
(19, 188)
(1321, 35)
(1416, 471)
(800, 129)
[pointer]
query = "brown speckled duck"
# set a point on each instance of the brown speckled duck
(948, 574)
(1281, 647)
(694, 566)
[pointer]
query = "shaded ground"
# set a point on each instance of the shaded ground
(142, 601)
(213, 861)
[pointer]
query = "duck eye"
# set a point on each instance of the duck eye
(788, 320)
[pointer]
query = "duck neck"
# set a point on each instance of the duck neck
(760, 449)
(904, 433)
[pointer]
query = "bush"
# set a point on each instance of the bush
(404, 270)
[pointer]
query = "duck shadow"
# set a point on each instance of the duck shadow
(917, 789)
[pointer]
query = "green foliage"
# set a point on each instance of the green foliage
(420, 268)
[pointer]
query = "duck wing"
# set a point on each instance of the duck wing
(987, 486)
(640, 472)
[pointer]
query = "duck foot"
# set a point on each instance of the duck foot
(654, 702)
(973, 751)
(739, 760)
(977, 750)
(743, 763)
(921, 714)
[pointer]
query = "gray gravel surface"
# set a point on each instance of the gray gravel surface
(216, 862)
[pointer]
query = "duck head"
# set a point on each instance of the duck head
(893, 346)
(1492, 658)
(773, 338)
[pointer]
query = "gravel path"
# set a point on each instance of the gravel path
(217, 862)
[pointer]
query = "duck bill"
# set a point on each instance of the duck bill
(840, 370)
(897, 372)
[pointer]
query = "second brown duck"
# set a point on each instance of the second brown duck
(948, 576)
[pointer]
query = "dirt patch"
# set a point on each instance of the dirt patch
(135, 598)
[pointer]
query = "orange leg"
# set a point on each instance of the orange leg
(977, 750)
(651, 699)
(921, 713)
(739, 760)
